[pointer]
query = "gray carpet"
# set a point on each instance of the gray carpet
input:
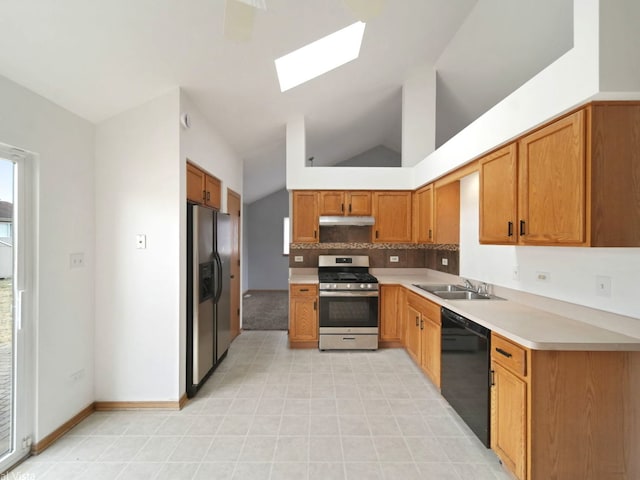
(265, 310)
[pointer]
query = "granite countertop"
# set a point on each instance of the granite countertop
(528, 326)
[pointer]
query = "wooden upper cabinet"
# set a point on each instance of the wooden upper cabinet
(196, 191)
(392, 211)
(305, 216)
(214, 192)
(358, 203)
(447, 213)
(573, 182)
(203, 188)
(423, 215)
(498, 196)
(333, 202)
(614, 141)
(552, 185)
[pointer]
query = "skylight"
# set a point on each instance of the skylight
(319, 57)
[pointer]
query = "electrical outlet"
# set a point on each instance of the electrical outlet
(394, 259)
(141, 241)
(76, 260)
(445, 261)
(543, 276)
(298, 258)
(515, 272)
(603, 286)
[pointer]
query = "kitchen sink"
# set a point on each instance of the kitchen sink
(462, 295)
(432, 288)
(455, 292)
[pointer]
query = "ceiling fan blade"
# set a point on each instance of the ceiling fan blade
(238, 20)
(365, 10)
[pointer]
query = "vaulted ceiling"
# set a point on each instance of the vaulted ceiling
(99, 58)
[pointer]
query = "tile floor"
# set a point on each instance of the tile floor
(273, 413)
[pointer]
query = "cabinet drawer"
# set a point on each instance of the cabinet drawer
(508, 354)
(303, 290)
(426, 307)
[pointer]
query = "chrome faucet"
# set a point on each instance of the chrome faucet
(469, 285)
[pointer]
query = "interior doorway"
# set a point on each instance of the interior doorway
(16, 410)
(234, 204)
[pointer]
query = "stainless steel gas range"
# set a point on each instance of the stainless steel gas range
(348, 303)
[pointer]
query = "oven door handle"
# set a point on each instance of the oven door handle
(349, 293)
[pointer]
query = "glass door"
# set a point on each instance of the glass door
(15, 406)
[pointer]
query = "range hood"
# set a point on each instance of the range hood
(327, 221)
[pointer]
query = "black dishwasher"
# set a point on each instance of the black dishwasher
(465, 370)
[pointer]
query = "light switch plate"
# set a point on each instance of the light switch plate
(394, 259)
(445, 261)
(298, 258)
(603, 286)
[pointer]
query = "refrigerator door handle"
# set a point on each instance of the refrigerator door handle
(219, 277)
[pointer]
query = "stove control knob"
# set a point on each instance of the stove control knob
(348, 286)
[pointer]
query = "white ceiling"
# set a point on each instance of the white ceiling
(98, 58)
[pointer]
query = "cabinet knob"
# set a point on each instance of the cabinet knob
(417, 320)
(522, 225)
(342, 207)
(510, 229)
(421, 324)
(349, 208)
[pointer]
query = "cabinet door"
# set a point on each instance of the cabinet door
(303, 315)
(390, 317)
(509, 419)
(447, 213)
(213, 188)
(498, 196)
(430, 349)
(392, 211)
(552, 183)
(423, 215)
(332, 203)
(305, 217)
(358, 203)
(196, 190)
(412, 333)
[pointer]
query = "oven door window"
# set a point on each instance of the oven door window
(349, 311)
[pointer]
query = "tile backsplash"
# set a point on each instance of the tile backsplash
(409, 255)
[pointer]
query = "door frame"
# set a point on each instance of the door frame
(232, 194)
(25, 301)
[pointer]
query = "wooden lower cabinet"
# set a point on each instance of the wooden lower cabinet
(509, 419)
(565, 414)
(391, 316)
(303, 316)
(430, 338)
(422, 334)
(412, 332)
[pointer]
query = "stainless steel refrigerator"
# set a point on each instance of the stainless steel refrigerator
(208, 293)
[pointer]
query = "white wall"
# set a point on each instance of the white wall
(572, 270)
(619, 46)
(205, 147)
(138, 191)
(64, 208)
(418, 116)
